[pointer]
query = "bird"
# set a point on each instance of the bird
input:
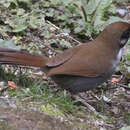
(82, 67)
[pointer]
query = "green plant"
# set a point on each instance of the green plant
(81, 17)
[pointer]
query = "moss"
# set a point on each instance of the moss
(127, 118)
(51, 110)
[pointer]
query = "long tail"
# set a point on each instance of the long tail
(10, 56)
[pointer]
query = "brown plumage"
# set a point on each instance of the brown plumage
(80, 68)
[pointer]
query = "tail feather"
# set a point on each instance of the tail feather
(10, 56)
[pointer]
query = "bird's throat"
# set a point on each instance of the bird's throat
(116, 61)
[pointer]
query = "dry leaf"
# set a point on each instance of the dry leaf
(115, 80)
(12, 85)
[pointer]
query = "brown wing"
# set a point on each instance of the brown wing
(60, 58)
(86, 60)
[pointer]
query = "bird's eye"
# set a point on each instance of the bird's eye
(124, 38)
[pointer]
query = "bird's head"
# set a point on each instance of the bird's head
(117, 34)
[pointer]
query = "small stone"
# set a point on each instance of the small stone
(121, 12)
(2, 83)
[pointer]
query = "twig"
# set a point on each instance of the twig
(63, 32)
(49, 48)
(90, 108)
(95, 96)
(121, 85)
(27, 98)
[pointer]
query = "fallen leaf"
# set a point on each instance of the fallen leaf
(115, 80)
(12, 85)
(128, 7)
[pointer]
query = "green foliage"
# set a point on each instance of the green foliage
(38, 90)
(51, 110)
(79, 17)
(82, 17)
(125, 128)
(41, 91)
(128, 56)
(19, 19)
(17, 23)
